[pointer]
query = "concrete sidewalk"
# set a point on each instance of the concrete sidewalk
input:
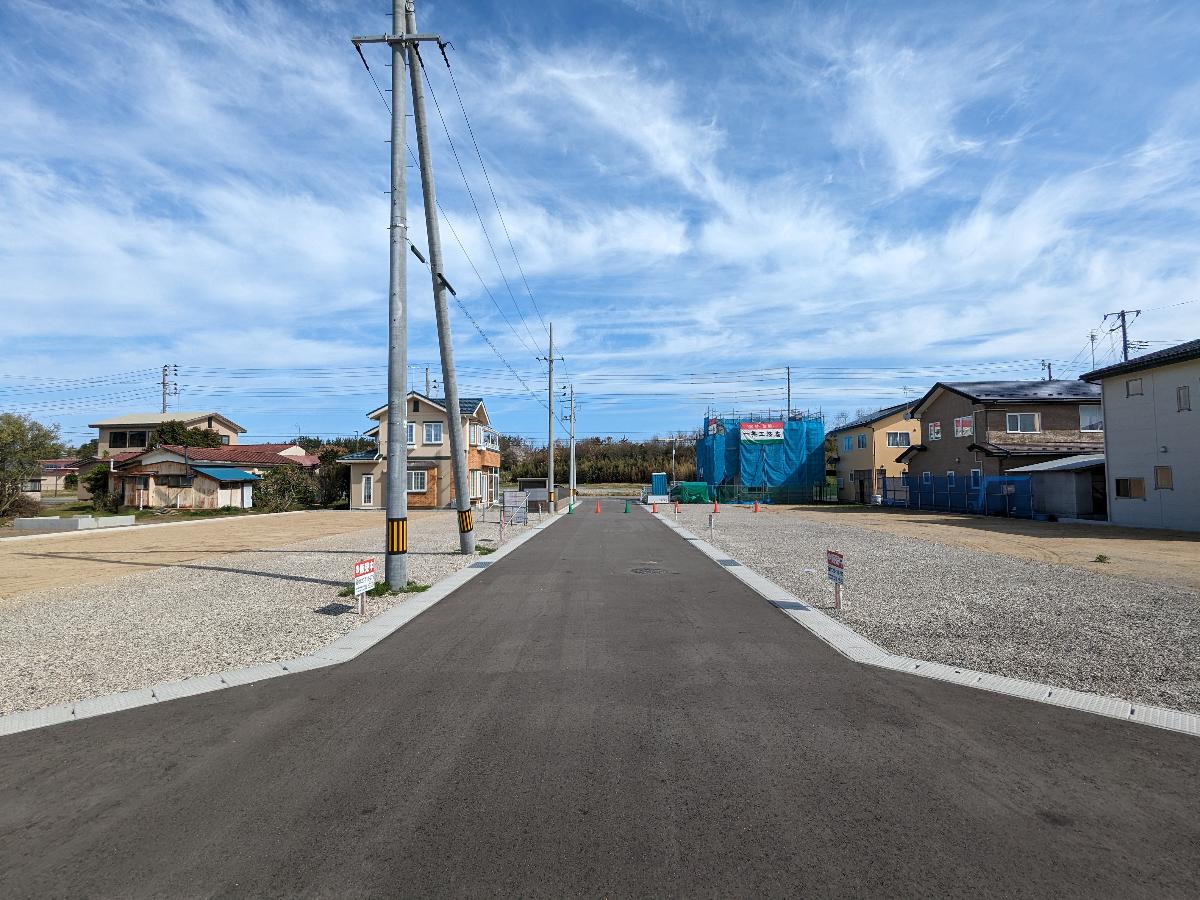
(603, 712)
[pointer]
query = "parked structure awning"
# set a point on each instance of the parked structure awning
(218, 473)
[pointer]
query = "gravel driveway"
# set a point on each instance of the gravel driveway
(1057, 624)
(204, 616)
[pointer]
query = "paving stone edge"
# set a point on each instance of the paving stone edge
(344, 648)
(854, 646)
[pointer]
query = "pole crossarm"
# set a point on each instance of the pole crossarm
(402, 40)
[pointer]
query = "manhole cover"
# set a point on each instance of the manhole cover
(648, 570)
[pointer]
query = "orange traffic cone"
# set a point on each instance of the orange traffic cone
(715, 508)
(597, 507)
(756, 506)
(676, 507)
(653, 507)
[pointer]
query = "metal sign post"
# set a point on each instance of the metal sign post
(364, 580)
(835, 566)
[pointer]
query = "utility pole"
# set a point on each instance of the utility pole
(396, 530)
(1123, 324)
(1092, 338)
(789, 395)
(169, 389)
(550, 421)
(572, 479)
(1048, 368)
(458, 449)
(427, 388)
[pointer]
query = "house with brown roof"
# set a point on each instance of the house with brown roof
(201, 477)
(136, 430)
(971, 430)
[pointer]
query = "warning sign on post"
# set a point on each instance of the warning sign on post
(364, 576)
(835, 565)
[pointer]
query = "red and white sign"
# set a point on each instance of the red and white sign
(364, 576)
(835, 566)
(761, 432)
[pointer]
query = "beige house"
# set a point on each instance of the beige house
(1152, 438)
(200, 477)
(430, 479)
(136, 431)
(863, 452)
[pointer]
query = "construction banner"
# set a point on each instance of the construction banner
(761, 432)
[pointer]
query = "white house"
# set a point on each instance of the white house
(1152, 438)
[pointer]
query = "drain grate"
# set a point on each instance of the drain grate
(482, 564)
(649, 570)
(728, 562)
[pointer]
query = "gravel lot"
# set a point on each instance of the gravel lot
(204, 616)
(1058, 624)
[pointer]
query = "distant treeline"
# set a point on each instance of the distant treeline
(600, 460)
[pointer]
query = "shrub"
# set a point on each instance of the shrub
(284, 488)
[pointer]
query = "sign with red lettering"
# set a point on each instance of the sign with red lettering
(835, 565)
(364, 576)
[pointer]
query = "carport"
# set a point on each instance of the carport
(1069, 488)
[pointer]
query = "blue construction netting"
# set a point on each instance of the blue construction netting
(722, 457)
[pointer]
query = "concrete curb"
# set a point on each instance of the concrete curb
(854, 646)
(119, 528)
(344, 648)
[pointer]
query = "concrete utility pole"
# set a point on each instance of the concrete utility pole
(427, 388)
(458, 449)
(167, 372)
(572, 481)
(1092, 338)
(550, 421)
(789, 394)
(1123, 325)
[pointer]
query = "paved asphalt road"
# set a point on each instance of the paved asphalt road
(603, 713)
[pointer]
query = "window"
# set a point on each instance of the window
(224, 439)
(1131, 488)
(897, 439)
(950, 477)
(862, 441)
(926, 478)
(411, 430)
(416, 406)
(935, 431)
(1183, 398)
(1024, 423)
(417, 481)
(118, 439)
(976, 478)
(841, 482)
(1091, 418)
(433, 433)
(1164, 480)
(1133, 387)
(847, 443)
(964, 426)
(368, 490)
(137, 439)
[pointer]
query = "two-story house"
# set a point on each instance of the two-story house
(430, 474)
(136, 431)
(864, 451)
(1152, 437)
(975, 429)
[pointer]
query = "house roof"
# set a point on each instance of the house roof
(59, 463)
(246, 454)
(224, 473)
(1066, 464)
(1031, 449)
(1064, 391)
(466, 405)
(1179, 353)
(158, 418)
(360, 456)
(874, 417)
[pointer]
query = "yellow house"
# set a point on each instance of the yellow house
(864, 451)
(430, 475)
(136, 431)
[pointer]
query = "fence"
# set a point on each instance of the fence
(738, 493)
(995, 496)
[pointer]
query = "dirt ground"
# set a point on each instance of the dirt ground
(1170, 557)
(90, 557)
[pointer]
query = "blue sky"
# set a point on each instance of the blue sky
(699, 194)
